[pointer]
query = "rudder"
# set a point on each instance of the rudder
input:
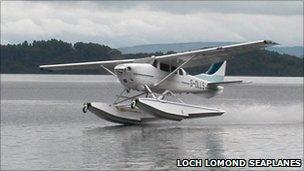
(215, 73)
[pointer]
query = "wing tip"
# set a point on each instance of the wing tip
(43, 68)
(270, 42)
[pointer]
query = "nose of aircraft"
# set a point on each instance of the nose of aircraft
(121, 69)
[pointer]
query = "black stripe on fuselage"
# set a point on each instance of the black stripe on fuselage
(185, 82)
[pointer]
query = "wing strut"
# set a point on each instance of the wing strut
(162, 96)
(149, 90)
(126, 98)
(109, 71)
(166, 77)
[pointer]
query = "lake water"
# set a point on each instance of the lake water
(43, 127)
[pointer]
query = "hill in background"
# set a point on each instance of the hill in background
(25, 58)
(176, 47)
(180, 47)
(290, 50)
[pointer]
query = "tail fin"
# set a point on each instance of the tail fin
(215, 73)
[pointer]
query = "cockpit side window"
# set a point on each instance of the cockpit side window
(155, 63)
(180, 72)
(165, 67)
(173, 68)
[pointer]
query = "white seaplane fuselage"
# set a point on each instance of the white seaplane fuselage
(136, 75)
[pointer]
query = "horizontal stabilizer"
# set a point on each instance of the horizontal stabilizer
(227, 82)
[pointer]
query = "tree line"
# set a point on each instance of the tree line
(24, 58)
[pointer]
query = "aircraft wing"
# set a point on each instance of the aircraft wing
(86, 65)
(212, 55)
(200, 57)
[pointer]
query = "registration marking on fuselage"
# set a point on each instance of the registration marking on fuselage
(197, 84)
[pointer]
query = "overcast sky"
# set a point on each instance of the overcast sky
(120, 24)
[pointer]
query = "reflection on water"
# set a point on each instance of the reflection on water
(43, 127)
(149, 146)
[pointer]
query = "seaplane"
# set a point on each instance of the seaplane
(156, 78)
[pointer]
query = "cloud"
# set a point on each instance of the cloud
(132, 23)
(232, 7)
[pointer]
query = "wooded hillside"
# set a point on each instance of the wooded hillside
(26, 57)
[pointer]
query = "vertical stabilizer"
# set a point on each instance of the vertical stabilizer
(215, 73)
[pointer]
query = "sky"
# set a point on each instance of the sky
(122, 24)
